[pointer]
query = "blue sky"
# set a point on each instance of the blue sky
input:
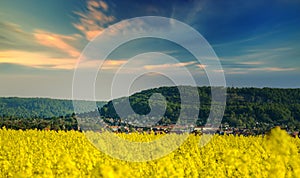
(257, 42)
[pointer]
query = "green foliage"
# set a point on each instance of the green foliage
(40, 113)
(245, 108)
(67, 122)
(14, 107)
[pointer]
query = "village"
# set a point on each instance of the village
(224, 129)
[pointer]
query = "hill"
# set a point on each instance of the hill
(15, 107)
(39, 113)
(246, 107)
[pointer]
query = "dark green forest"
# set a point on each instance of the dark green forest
(34, 107)
(245, 108)
(39, 113)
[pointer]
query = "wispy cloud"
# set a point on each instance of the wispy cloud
(94, 20)
(36, 60)
(112, 64)
(272, 69)
(278, 49)
(38, 49)
(108, 64)
(251, 63)
(13, 37)
(57, 41)
(259, 58)
(196, 9)
(218, 70)
(168, 66)
(237, 71)
(245, 40)
(201, 66)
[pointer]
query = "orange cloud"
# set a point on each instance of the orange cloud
(93, 21)
(103, 5)
(201, 66)
(41, 60)
(92, 33)
(57, 41)
(37, 60)
(96, 4)
(107, 64)
(41, 49)
(93, 4)
(112, 64)
(166, 66)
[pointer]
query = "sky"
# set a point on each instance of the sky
(257, 43)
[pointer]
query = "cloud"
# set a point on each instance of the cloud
(251, 63)
(167, 66)
(246, 40)
(201, 66)
(106, 65)
(57, 41)
(37, 60)
(13, 37)
(253, 56)
(94, 20)
(196, 9)
(218, 70)
(43, 49)
(279, 49)
(103, 5)
(262, 59)
(236, 72)
(272, 69)
(39, 49)
(255, 69)
(256, 60)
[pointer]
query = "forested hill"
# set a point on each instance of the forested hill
(13, 107)
(246, 107)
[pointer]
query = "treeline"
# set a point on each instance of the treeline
(41, 113)
(249, 108)
(68, 122)
(13, 107)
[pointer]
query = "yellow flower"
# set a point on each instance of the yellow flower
(35, 153)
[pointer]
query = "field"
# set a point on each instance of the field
(35, 153)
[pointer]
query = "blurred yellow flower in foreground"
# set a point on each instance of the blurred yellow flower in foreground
(35, 153)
